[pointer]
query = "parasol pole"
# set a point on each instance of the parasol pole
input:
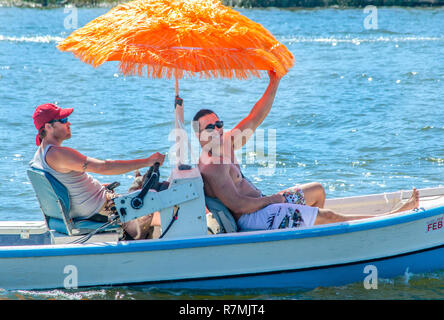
(181, 138)
(177, 85)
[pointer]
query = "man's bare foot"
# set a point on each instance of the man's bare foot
(412, 203)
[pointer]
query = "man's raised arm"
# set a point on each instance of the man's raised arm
(259, 112)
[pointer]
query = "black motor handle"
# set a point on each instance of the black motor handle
(113, 185)
(137, 201)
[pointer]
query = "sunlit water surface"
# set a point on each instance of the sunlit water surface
(361, 112)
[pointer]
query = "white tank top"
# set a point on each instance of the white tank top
(86, 194)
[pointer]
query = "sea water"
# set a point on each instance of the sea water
(361, 112)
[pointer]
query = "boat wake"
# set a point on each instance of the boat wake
(358, 40)
(36, 39)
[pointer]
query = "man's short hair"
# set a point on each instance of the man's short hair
(200, 114)
(42, 134)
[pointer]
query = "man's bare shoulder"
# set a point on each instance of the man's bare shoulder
(64, 159)
(61, 152)
(55, 152)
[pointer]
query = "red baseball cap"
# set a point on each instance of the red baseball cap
(45, 113)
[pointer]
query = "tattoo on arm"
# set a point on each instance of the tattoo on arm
(85, 165)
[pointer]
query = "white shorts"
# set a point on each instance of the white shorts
(278, 216)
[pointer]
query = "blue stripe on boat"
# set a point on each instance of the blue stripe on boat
(215, 240)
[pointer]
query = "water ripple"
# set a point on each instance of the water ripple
(360, 112)
(32, 39)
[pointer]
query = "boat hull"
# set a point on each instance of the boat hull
(328, 255)
(366, 272)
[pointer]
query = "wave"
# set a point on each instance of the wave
(55, 39)
(358, 40)
(37, 39)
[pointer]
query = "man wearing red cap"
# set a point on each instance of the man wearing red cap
(88, 196)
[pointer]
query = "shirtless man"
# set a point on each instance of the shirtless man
(294, 207)
(89, 198)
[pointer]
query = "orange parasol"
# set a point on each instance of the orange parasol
(165, 38)
(180, 38)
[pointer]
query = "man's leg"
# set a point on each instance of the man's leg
(313, 194)
(328, 216)
(143, 226)
(139, 228)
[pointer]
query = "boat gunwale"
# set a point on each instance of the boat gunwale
(215, 240)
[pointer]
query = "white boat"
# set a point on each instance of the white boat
(33, 255)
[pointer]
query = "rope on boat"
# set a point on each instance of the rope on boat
(176, 212)
(89, 235)
(114, 220)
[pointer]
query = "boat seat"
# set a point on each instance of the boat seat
(55, 204)
(222, 214)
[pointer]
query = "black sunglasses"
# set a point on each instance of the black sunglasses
(64, 120)
(211, 126)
